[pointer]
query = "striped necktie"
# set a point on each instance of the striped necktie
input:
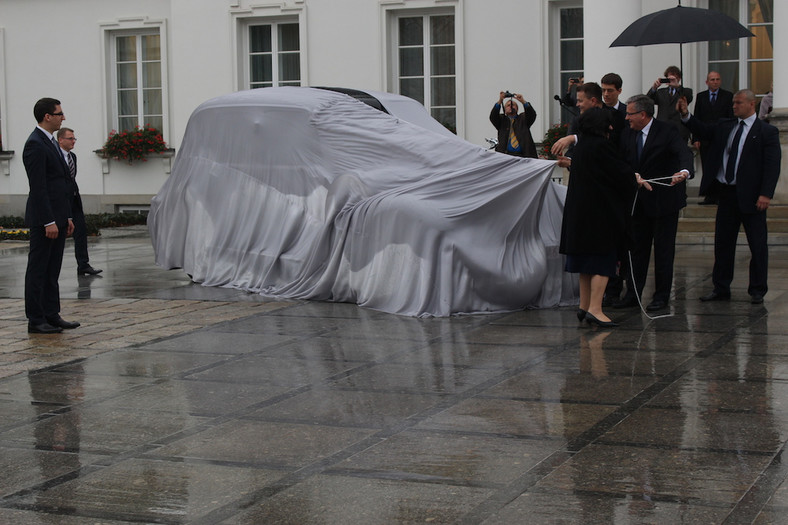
(513, 142)
(72, 168)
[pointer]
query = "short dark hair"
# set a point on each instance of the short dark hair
(63, 130)
(612, 78)
(43, 107)
(592, 90)
(675, 70)
(642, 103)
(595, 121)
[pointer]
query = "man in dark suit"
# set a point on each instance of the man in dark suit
(712, 105)
(48, 215)
(67, 140)
(656, 151)
(667, 97)
(741, 167)
(611, 89)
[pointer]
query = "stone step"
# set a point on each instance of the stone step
(707, 225)
(696, 211)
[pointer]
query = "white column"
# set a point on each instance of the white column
(779, 116)
(603, 21)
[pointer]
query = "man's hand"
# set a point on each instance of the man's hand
(519, 98)
(561, 145)
(656, 85)
(696, 144)
(70, 229)
(564, 162)
(763, 203)
(51, 231)
(642, 182)
(677, 177)
(681, 107)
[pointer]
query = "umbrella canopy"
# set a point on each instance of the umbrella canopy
(680, 25)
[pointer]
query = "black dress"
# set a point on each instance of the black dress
(598, 202)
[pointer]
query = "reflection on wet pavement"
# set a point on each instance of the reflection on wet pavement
(175, 403)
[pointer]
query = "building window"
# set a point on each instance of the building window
(426, 64)
(137, 80)
(570, 49)
(274, 55)
(746, 62)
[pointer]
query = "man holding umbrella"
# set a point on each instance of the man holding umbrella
(741, 167)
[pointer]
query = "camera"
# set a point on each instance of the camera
(574, 80)
(664, 81)
(508, 95)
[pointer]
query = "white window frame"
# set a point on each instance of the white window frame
(557, 114)
(3, 101)
(244, 18)
(126, 27)
(392, 11)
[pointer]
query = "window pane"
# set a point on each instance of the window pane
(761, 45)
(151, 47)
(572, 23)
(761, 77)
(155, 122)
(443, 91)
(442, 29)
(411, 31)
(151, 102)
(411, 62)
(126, 123)
(261, 68)
(442, 60)
(724, 50)
(447, 117)
(728, 7)
(151, 74)
(127, 48)
(729, 71)
(127, 76)
(572, 55)
(289, 67)
(288, 37)
(260, 39)
(413, 88)
(256, 85)
(127, 102)
(761, 11)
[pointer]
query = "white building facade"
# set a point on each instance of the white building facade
(118, 63)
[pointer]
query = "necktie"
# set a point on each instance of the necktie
(672, 92)
(733, 154)
(713, 98)
(54, 143)
(72, 168)
(639, 145)
(513, 142)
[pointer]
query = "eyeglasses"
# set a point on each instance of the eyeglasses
(58, 114)
(69, 138)
(633, 113)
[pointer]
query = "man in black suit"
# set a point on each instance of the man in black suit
(48, 215)
(741, 167)
(712, 105)
(667, 97)
(656, 151)
(67, 140)
(611, 90)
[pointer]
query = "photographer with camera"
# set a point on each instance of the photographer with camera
(514, 128)
(665, 98)
(570, 97)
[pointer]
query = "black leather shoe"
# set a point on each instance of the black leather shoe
(61, 323)
(656, 304)
(43, 328)
(590, 319)
(581, 314)
(756, 299)
(626, 302)
(88, 270)
(714, 296)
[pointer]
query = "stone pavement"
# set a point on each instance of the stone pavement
(176, 403)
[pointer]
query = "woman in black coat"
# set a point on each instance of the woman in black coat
(598, 201)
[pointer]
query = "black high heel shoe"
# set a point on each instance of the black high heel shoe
(590, 319)
(581, 314)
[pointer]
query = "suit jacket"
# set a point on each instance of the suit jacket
(666, 107)
(759, 164)
(722, 107)
(620, 107)
(76, 203)
(522, 129)
(51, 187)
(664, 153)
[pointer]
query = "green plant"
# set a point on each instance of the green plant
(14, 227)
(133, 145)
(555, 132)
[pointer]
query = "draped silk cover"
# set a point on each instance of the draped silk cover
(310, 194)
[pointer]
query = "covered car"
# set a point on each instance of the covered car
(309, 193)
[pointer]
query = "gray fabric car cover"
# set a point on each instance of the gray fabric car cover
(309, 194)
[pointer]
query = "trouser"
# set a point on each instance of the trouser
(661, 232)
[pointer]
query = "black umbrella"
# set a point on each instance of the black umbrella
(680, 25)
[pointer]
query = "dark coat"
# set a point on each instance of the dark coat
(600, 195)
(759, 164)
(722, 107)
(51, 187)
(666, 107)
(522, 129)
(664, 154)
